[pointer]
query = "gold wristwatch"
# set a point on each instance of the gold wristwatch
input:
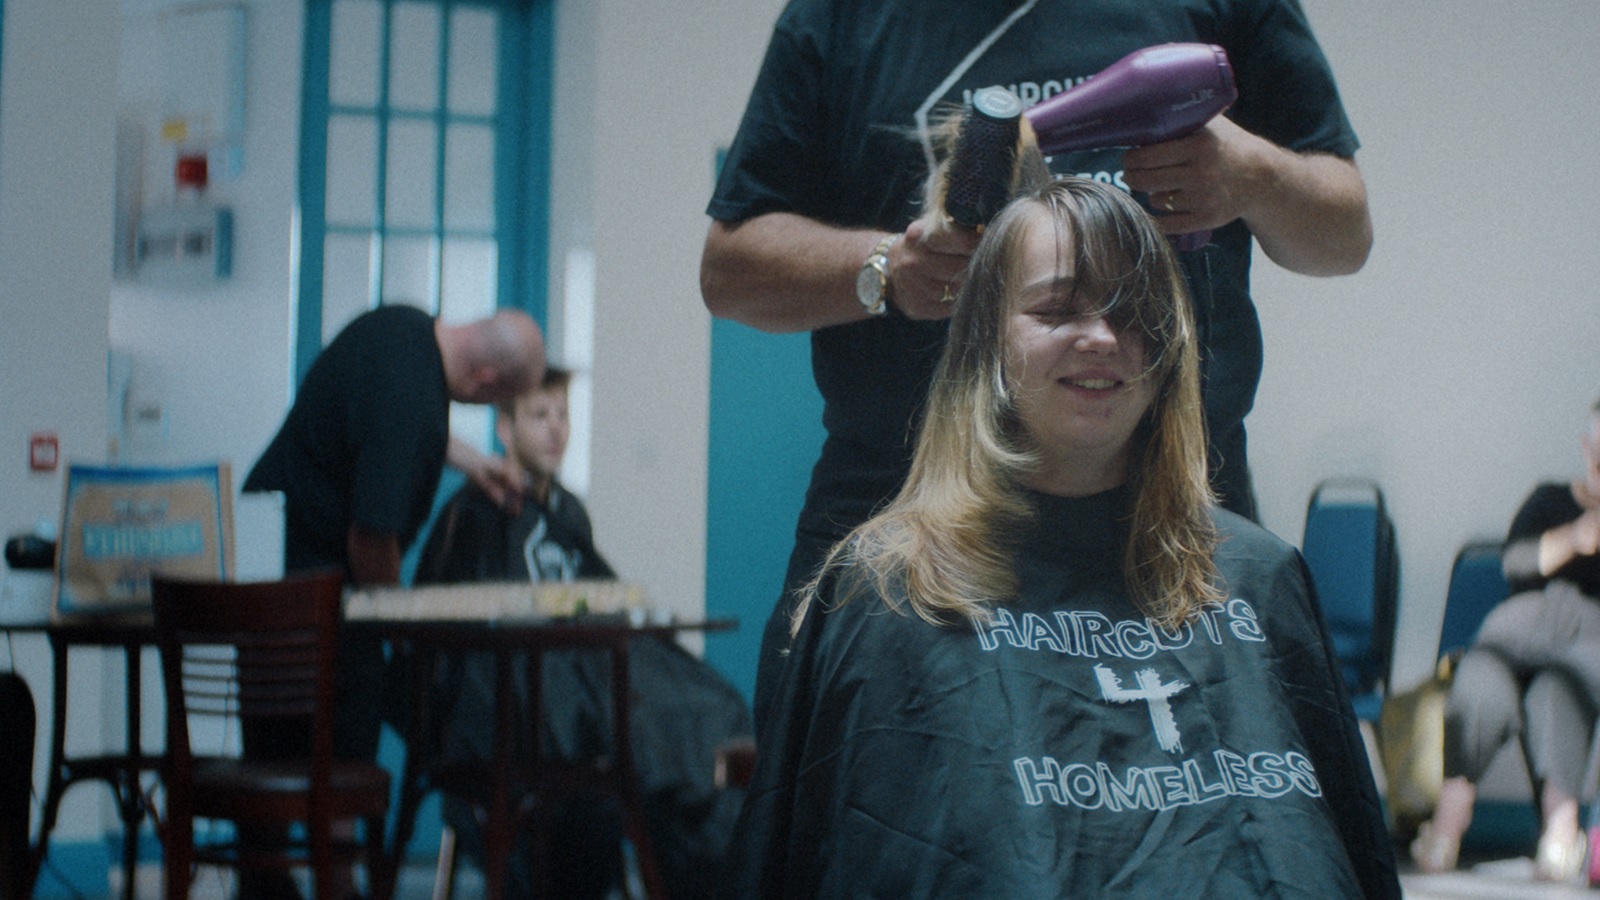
(872, 282)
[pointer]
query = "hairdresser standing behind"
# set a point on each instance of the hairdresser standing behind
(813, 215)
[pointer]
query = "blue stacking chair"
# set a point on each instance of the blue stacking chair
(1349, 545)
(1477, 585)
(1500, 824)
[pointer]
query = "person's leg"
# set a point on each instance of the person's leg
(1482, 714)
(1438, 843)
(279, 741)
(1557, 627)
(1560, 719)
(358, 721)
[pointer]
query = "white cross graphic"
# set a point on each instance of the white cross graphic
(1154, 693)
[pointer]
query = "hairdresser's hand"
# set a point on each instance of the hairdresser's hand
(1307, 210)
(1586, 533)
(1202, 180)
(927, 267)
(498, 477)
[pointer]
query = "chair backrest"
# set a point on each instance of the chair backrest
(1350, 547)
(261, 650)
(1477, 585)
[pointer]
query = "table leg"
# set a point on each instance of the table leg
(500, 830)
(130, 797)
(419, 757)
(627, 783)
(55, 783)
(543, 801)
(121, 774)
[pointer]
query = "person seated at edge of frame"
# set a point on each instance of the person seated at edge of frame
(1532, 672)
(1051, 666)
(685, 709)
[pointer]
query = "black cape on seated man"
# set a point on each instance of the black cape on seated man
(683, 709)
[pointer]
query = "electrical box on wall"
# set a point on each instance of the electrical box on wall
(186, 244)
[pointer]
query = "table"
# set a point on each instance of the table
(426, 639)
(509, 781)
(121, 771)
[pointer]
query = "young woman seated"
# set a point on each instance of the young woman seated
(1051, 666)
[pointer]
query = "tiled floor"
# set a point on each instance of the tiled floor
(1505, 879)
(1510, 879)
(416, 883)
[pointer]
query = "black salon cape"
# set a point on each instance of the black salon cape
(1069, 749)
(682, 708)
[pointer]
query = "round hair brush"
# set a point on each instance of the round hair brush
(983, 164)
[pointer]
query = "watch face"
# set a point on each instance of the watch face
(869, 287)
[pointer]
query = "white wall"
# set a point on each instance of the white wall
(665, 85)
(55, 206)
(1456, 368)
(57, 70)
(215, 359)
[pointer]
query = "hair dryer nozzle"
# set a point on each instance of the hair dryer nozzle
(983, 163)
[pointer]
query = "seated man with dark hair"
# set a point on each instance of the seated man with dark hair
(683, 708)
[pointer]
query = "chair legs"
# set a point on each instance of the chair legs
(444, 876)
(381, 872)
(329, 880)
(177, 859)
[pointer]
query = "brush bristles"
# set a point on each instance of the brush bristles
(983, 164)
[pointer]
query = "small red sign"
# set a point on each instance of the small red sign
(44, 452)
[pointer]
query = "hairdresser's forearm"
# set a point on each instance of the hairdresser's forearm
(784, 272)
(1309, 212)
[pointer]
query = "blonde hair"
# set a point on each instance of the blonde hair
(944, 544)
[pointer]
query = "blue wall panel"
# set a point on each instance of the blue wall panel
(765, 434)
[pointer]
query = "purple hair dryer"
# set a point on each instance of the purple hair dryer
(1149, 96)
(1152, 95)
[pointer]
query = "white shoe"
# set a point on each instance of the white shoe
(1560, 860)
(1433, 851)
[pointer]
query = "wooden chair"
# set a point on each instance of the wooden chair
(264, 652)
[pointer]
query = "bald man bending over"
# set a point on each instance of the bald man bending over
(360, 454)
(358, 459)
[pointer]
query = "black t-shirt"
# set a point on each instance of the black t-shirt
(1070, 748)
(364, 443)
(827, 135)
(1550, 506)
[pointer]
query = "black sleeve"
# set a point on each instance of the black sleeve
(1548, 506)
(775, 159)
(594, 565)
(1287, 92)
(398, 427)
